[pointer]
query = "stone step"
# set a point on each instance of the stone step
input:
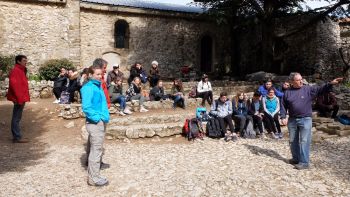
(148, 130)
(143, 120)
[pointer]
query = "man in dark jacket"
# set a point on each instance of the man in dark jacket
(60, 84)
(18, 93)
(326, 104)
(298, 102)
(157, 92)
(137, 71)
(115, 73)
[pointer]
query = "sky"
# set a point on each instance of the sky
(312, 3)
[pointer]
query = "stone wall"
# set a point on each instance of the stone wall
(345, 39)
(41, 30)
(37, 89)
(173, 42)
(314, 50)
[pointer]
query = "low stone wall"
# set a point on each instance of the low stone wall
(37, 89)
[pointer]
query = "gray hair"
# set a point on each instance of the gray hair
(99, 62)
(292, 75)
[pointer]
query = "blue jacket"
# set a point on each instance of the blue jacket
(271, 106)
(241, 108)
(94, 102)
(263, 91)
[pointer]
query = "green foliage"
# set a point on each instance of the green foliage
(6, 63)
(51, 69)
(34, 77)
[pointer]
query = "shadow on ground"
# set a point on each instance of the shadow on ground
(268, 152)
(16, 157)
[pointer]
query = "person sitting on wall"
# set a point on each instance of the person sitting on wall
(137, 71)
(240, 112)
(326, 104)
(115, 91)
(222, 109)
(157, 92)
(60, 84)
(134, 93)
(271, 105)
(204, 90)
(154, 74)
(113, 74)
(263, 89)
(73, 84)
(256, 111)
(177, 94)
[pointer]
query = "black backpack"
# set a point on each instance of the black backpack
(193, 129)
(214, 129)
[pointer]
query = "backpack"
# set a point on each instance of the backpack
(201, 114)
(249, 131)
(193, 92)
(144, 76)
(214, 129)
(64, 98)
(193, 129)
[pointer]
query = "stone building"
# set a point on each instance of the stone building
(120, 31)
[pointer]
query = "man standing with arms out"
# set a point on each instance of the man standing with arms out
(18, 93)
(297, 101)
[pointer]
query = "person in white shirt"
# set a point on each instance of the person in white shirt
(204, 90)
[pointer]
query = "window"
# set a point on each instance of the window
(121, 34)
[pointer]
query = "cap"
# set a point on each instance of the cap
(115, 66)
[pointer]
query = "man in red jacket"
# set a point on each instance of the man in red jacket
(18, 93)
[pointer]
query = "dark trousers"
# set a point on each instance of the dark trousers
(325, 111)
(158, 98)
(224, 121)
(16, 118)
(57, 92)
(206, 96)
(272, 123)
(153, 81)
(241, 122)
(257, 122)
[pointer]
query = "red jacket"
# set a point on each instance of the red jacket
(105, 90)
(18, 89)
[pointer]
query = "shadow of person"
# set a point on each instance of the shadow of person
(268, 152)
(14, 156)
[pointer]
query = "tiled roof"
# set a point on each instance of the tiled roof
(148, 5)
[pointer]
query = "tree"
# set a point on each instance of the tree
(236, 12)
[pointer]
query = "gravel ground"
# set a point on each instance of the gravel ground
(202, 168)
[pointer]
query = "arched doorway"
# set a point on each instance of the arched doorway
(206, 54)
(112, 58)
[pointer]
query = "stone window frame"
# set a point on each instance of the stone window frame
(121, 33)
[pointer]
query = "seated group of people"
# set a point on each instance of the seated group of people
(262, 110)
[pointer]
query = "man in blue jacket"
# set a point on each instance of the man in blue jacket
(298, 102)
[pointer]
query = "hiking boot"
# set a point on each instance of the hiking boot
(99, 183)
(20, 141)
(142, 109)
(293, 162)
(280, 135)
(301, 166)
(122, 113)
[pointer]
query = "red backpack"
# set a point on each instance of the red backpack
(193, 129)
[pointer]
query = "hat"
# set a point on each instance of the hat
(155, 62)
(115, 66)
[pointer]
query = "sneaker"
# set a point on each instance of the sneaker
(122, 113)
(280, 135)
(127, 111)
(56, 101)
(293, 162)
(143, 109)
(301, 166)
(274, 136)
(99, 183)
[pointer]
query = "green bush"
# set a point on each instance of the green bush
(34, 77)
(51, 69)
(6, 63)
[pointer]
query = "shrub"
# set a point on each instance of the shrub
(51, 69)
(34, 77)
(6, 63)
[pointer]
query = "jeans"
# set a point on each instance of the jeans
(16, 118)
(139, 97)
(121, 100)
(178, 100)
(300, 138)
(94, 150)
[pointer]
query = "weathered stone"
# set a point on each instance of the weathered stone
(84, 133)
(323, 120)
(343, 132)
(70, 125)
(259, 76)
